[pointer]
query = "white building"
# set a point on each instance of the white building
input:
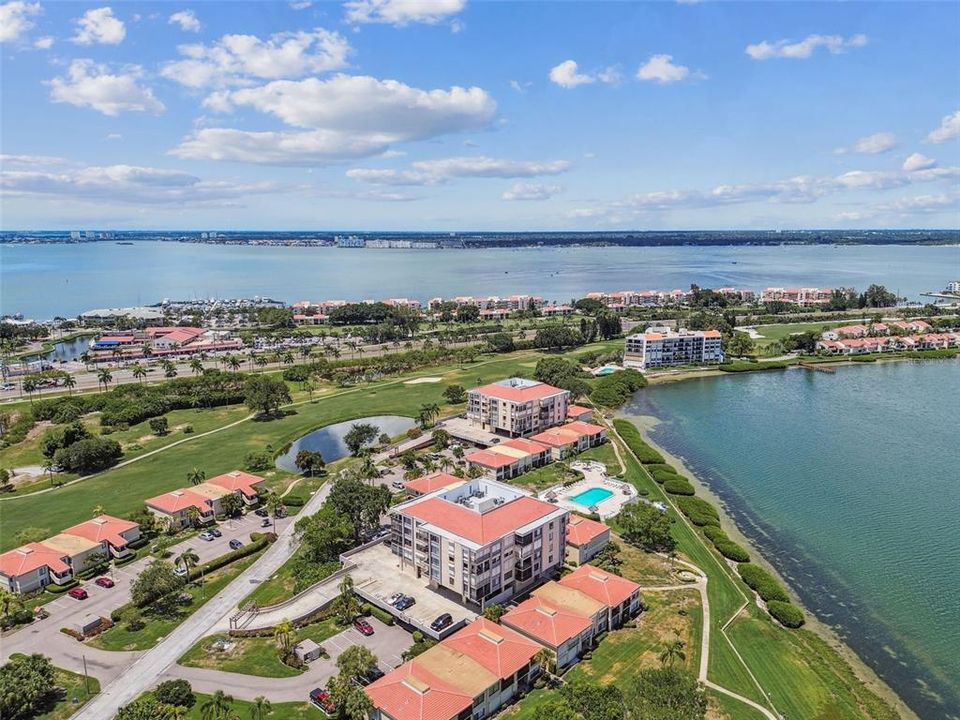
(662, 347)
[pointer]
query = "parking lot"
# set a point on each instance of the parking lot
(239, 528)
(377, 577)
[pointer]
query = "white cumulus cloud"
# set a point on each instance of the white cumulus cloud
(99, 27)
(341, 118)
(948, 130)
(531, 191)
(435, 172)
(402, 12)
(871, 144)
(567, 75)
(241, 59)
(96, 86)
(186, 20)
(44, 43)
(662, 69)
(803, 49)
(15, 19)
(916, 161)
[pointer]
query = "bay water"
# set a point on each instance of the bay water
(849, 483)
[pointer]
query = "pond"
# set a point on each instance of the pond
(328, 441)
(69, 350)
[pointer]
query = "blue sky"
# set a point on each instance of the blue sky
(452, 115)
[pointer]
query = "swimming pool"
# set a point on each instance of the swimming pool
(591, 497)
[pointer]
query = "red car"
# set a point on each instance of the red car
(363, 627)
(104, 582)
(77, 594)
(321, 698)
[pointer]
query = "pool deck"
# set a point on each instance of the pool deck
(594, 476)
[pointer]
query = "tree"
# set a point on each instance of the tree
(26, 682)
(309, 462)
(60, 437)
(234, 362)
(455, 394)
(500, 342)
(196, 476)
(545, 660)
(9, 604)
(273, 502)
(589, 306)
(740, 345)
(175, 692)
(557, 336)
(609, 325)
(98, 510)
(441, 438)
(265, 395)
(144, 708)
(363, 504)
(187, 559)
(159, 426)
(647, 527)
(428, 413)
(196, 366)
(594, 701)
(468, 313)
(494, 612)
(346, 605)
(89, 455)
(666, 693)
(156, 586)
(231, 505)
(324, 535)
(563, 374)
(260, 708)
(877, 296)
(217, 707)
(359, 435)
(355, 662)
(673, 652)
(104, 377)
(282, 635)
(69, 382)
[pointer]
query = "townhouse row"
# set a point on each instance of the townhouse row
(896, 327)
(623, 299)
(204, 501)
(892, 343)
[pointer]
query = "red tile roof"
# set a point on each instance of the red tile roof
(546, 622)
(522, 444)
(412, 693)
(433, 481)
(490, 459)
(520, 394)
(29, 557)
(103, 528)
(577, 410)
(498, 649)
(581, 530)
(480, 528)
(584, 428)
(556, 437)
(239, 481)
(602, 586)
(178, 500)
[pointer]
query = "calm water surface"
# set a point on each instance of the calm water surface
(42, 281)
(328, 441)
(850, 483)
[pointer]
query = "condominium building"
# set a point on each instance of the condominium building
(797, 296)
(661, 347)
(517, 407)
(483, 540)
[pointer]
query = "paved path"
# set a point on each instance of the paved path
(150, 667)
(387, 643)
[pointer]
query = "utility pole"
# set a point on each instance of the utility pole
(86, 679)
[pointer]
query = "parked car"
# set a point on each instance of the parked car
(104, 582)
(9, 386)
(398, 485)
(216, 532)
(321, 698)
(261, 512)
(405, 602)
(235, 544)
(363, 627)
(207, 535)
(77, 593)
(441, 622)
(371, 675)
(265, 522)
(180, 571)
(395, 598)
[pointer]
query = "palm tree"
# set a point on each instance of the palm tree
(544, 658)
(259, 360)
(673, 652)
(169, 369)
(29, 386)
(187, 559)
(234, 362)
(9, 603)
(70, 382)
(260, 708)
(175, 712)
(346, 605)
(139, 372)
(428, 413)
(196, 476)
(117, 354)
(282, 634)
(104, 377)
(288, 358)
(333, 351)
(98, 510)
(193, 516)
(85, 358)
(217, 707)
(196, 365)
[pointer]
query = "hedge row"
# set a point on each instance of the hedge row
(256, 545)
(678, 486)
(54, 589)
(786, 614)
(700, 512)
(765, 585)
(743, 366)
(732, 551)
(634, 440)
(379, 613)
(653, 467)
(661, 475)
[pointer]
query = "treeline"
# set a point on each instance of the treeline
(706, 517)
(608, 391)
(133, 403)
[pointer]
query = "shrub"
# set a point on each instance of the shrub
(714, 533)
(89, 455)
(638, 446)
(741, 366)
(700, 512)
(159, 425)
(135, 624)
(223, 560)
(381, 615)
(786, 614)
(414, 432)
(661, 476)
(187, 429)
(678, 486)
(175, 692)
(258, 460)
(60, 589)
(293, 500)
(731, 550)
(615, 389)
(653, 467)
(765, 585)
(67, 414)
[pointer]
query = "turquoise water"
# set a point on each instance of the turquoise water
(850, 484)
(42, 281)
(606, 371)
(591, 497)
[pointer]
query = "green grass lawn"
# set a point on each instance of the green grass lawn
(241, 708)
(543, 477)
(122, 490)
(157, 628)
(74, 687)
(255, 656)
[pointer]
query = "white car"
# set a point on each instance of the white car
(395, 598)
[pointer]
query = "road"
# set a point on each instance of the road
(150, 667)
